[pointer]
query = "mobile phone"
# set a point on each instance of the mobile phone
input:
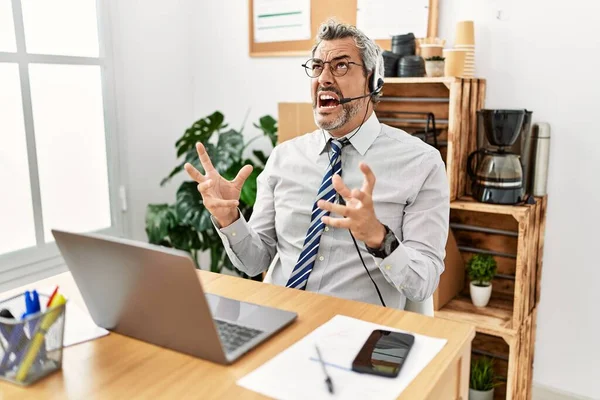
(384, 353)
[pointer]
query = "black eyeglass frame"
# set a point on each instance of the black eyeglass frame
(308, 70)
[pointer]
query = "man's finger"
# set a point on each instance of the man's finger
(336, 208)
(204, 158)
(336, 222)
(369, 182)
(204, 186)
(358, 195)
(340, 186)
(217, 203)
(194, 173)
(242, 176)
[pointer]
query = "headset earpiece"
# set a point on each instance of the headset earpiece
(376, 81)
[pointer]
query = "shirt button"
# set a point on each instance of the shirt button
(388, 267)
(233, 233)
(321, 258)
(326, 229)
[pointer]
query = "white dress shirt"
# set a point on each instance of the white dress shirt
(410, 196)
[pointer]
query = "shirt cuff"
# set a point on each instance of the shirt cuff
(236, 232)
(395, 267)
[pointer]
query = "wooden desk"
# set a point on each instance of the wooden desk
(118, 367)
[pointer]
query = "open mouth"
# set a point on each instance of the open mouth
(328, 100)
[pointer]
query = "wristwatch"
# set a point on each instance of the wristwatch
(389, 244)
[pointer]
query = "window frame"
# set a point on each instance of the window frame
(44, 259)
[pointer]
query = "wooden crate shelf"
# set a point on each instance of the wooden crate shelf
(495, 319)
(513, 359)
(506, 327)
(512, 235)
(454, 103)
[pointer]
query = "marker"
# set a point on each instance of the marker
(52, 296)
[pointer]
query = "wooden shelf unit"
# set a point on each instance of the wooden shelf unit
(506, 327)
(512, 235)
(454, 103)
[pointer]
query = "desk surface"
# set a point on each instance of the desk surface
(116, 366)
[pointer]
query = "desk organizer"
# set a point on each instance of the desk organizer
(31, 347)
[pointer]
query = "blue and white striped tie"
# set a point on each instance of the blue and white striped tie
(307, 258)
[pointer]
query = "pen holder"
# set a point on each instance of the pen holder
(31, 347)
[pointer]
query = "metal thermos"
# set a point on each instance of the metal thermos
(540, 147)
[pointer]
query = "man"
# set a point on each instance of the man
(374, 241)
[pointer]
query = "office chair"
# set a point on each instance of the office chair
(419, 307)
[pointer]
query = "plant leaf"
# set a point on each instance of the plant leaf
(160, 219)
(190, 208)
(184, 237)
(200, 131)
(260, 156)
(268, 125)
(227, 152)
(248, 194)
(192, 158)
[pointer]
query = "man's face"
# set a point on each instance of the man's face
(327, 89)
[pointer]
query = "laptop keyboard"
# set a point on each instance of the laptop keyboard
(234, 336)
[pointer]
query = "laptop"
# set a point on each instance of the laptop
(153, 293)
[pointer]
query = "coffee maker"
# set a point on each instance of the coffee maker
(497, 169)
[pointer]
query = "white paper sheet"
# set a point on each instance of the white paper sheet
(80, 327)
(381, 19)
(296, 373)
(281, 20)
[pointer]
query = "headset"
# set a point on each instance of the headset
(375, 84)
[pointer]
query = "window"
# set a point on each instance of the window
(57, 169)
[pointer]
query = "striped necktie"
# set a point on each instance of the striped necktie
(306, 260)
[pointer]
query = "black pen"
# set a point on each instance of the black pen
(328, 380)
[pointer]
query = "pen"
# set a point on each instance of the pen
(328, 380)
(52, 296)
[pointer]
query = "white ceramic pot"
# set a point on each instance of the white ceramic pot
(434, 68)
(478, 395)
(480, 295)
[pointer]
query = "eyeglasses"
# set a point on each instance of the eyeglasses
(314, 67)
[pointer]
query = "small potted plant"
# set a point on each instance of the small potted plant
(481, 269)
(483, 380)
(434, 66)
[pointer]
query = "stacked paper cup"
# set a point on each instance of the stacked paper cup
(465, 40)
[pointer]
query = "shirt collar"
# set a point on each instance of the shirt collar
(361, 141)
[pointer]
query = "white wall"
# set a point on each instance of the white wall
(182, 60)
(154, 89)
(227, 79)
(545, 58)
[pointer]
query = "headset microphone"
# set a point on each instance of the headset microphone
(345, 100)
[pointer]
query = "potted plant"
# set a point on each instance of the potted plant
(434, 66)
(186, 224)
(481, 269)
(483, 380)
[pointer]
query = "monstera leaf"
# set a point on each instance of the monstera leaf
(200, 131)
(189, 207)
(260, 156)
(184, 238)
(186, 224)
(192, 158)
(160, 219)
(227, 151)
(268, 125)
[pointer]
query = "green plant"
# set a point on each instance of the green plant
(435, 58)
(186, 224)
(481, 269)
(482, 374)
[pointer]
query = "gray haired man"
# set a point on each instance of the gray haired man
(376, 235)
